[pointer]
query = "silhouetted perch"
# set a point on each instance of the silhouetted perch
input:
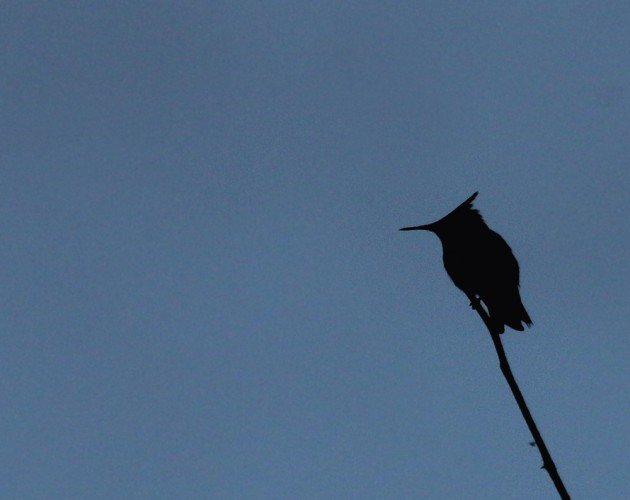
(548, 463)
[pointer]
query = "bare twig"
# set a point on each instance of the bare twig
(548, 463)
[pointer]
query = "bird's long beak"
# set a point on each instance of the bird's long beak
(426, 227)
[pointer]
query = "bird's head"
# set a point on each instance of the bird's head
(463, 214)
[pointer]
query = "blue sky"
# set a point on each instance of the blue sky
(204, 293)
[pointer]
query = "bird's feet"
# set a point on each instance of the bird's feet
(475, 302)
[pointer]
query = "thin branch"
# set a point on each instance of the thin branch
(548, 463)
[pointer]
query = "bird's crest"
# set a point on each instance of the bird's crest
(464, 213)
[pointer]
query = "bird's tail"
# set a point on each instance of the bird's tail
(508, 309)
(525, 317)
(521, 316)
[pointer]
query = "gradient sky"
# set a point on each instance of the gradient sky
(203, 290)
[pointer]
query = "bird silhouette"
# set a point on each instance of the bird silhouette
(481, 264)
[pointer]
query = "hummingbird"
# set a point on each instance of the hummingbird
(481, 264)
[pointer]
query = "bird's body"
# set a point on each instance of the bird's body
(481, 264)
